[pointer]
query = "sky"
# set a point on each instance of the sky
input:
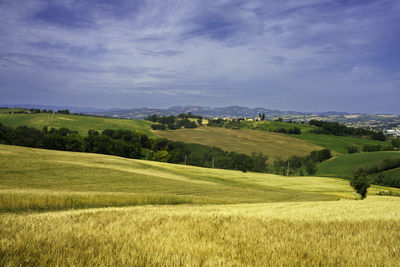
(303, 55)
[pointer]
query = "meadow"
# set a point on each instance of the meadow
(337, 143)
(78, 123)
(343, 165)
(274, 145)
(38, 179)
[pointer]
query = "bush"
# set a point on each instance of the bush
(353, 149)
(161, 155)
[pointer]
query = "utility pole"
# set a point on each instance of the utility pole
(213, 162)
(185, 159)
(288, 168)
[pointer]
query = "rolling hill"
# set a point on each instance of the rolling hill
(74, 122)
(45, 179)
(343, 165)
(337, 143)
(225, 218)
(274, 145)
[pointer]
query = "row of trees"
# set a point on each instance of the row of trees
(298, 164)
(132, 144)
(240, 123)
(372, 147)
(175, 122)
(334, 128)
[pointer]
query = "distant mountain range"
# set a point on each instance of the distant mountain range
(207, 112)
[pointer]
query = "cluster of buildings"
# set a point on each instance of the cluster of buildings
(393, 132)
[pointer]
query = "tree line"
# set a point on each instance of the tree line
(335, 128)
(132, 144)
(175, 122)
(298, 164)
(395, 145)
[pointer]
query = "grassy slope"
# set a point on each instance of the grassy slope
(343, 165)
(244, 141)
(393, 173)
(74, 122)
(302, 232)
(337, 143)
(46, 179)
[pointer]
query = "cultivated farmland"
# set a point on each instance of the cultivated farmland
(273, 145)
(224, 218)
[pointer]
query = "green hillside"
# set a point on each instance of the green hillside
(337, 143)
(274, 145)
(74, 122)
(343, 165)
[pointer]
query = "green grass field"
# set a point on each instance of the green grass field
(343, 165)
(74, 122)
(274, 145)
(337, 143)
(224, 218)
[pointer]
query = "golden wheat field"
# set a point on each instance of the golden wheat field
(334, 233)
(64, 208)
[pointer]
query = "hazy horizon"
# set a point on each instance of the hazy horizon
(19, 105)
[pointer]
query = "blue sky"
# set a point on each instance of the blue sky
(305, 55)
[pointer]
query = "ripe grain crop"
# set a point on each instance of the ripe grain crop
(329, 233)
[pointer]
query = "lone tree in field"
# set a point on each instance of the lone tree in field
(360, 183)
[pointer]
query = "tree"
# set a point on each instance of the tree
(378, 136)
(360, 183)
(311, 168)
(396, 142)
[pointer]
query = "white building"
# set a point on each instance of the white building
(393, 132)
